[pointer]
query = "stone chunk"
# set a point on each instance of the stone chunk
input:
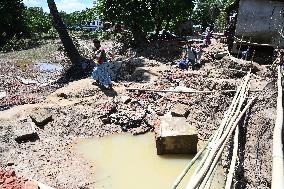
(31, 185)
(176, 136)
(125, 99)
(220, 55)
(3, 94)
(180, 110)
(41, 118)
(24, 132)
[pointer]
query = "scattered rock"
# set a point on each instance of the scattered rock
(180, 110)
(24, 132)
(10, 163)
(3, 94)
(62, 95)
(41, 118)
(125, 99)
(27, 81)
(220, 55)
(31, 185)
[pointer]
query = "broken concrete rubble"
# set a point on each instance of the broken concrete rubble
(176, 136)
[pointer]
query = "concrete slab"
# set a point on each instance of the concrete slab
(176, 136)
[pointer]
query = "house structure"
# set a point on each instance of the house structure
(92, 24)
(259, 23)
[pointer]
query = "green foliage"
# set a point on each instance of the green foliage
(142, 16)
(37, 20)
(15, 44)
(11, 22)
(75, 18)
(211, 12)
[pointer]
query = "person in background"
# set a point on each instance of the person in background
(191, 55)
(247, 54)
(100, 74)
(281, 59)
(207, 40)
(198, 52)
(183, 63)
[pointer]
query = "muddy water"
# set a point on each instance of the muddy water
(127, 162)
(49, 67)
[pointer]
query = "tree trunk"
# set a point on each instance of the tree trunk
(138, 35)
(66, 40)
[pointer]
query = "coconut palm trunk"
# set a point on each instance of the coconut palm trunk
(66, 40)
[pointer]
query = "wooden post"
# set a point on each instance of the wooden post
(240, 45)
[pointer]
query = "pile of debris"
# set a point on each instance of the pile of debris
(9, 180)
(23, 86)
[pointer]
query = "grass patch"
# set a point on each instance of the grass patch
(30, 56)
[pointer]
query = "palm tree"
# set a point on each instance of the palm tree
(66, 40)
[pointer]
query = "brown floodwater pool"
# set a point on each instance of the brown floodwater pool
(124, 161)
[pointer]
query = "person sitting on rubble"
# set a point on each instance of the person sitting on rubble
(183, 63)
(247, 54)
(191, 56)
(198, 52)
(100, 74)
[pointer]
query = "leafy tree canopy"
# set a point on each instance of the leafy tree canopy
(37, 20)
(142, 16)
(11, 22)
(75, 18)
(210, 12)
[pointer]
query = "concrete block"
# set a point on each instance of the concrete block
(176, 136)
(25, 132)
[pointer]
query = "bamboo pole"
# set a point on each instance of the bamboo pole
(234, 160)
(208, 185)
(193, 183)
(212, 166)
(239, 97)
(211, 139)
(227, 116)
(277, 154)
(189, 165)
(180, 91)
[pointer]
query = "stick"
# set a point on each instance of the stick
(277, 155)
(189, 165)
(212, 166)
(234, 160)
(174, 91)
(212, 138)
(225, 121)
